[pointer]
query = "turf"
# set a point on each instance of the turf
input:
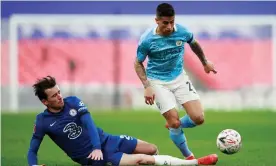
(258, 131)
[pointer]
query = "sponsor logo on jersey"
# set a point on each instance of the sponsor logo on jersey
(73, 130)
(82, 108)
(154, 46)
(81, 104)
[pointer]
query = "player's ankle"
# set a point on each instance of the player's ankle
(191, 157)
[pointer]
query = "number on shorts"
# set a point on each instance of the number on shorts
(190, 87)
(158, 105)
(126, 137)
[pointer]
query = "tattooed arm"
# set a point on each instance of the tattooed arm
(148, 92)
(142, 52)
(141, 73)
(196, 48)
(208, 66)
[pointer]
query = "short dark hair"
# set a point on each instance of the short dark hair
(42, 84)
(165, 10)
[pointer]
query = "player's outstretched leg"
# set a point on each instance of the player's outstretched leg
(176, 133)
(143, 159)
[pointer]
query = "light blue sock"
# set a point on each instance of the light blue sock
(187, 122)
(179, 139)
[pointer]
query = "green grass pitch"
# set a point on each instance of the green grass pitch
(258, 131)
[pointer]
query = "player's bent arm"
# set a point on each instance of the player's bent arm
(141, 54)
(38, 135)
(92, 130)
(197, 49)
(32, 153)
(141, 73)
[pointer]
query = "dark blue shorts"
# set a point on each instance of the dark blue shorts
(113, 150)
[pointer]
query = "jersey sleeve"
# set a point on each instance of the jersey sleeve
(142, 50)
(38, 128)
(80, 106)
(38, 135)
(92, 131)
(188, 35)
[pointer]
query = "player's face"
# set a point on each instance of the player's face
(165, 25)
(54, 98)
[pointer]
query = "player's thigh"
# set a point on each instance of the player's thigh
(116, 146)
(195, 111)
(187, 96)
(113, 159)
(172, 118)
(164, 98)
(144, 147)
(136, 159)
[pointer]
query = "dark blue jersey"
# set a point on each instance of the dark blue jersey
(72, 129)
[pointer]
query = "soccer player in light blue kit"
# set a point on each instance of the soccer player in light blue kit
(68, 123)
(165, 80)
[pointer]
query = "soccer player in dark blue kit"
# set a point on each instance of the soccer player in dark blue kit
(68, 123)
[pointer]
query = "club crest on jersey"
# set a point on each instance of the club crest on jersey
(178, 43)
(73, 112)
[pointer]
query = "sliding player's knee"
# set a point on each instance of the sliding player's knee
(198, 119)
(175, 123)
(139, 158)
(152, 149)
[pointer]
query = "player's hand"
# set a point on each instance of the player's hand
(96, 155)
(149, 95)
(209, 67)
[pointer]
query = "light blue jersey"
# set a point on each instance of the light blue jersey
(165, 53)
